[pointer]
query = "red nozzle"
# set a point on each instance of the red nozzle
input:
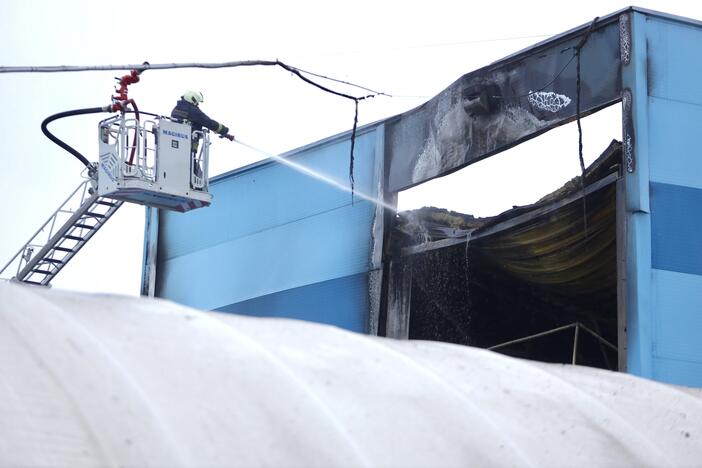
(131, 78)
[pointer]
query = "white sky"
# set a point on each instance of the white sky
(402, 48)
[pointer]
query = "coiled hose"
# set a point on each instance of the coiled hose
(70, 113)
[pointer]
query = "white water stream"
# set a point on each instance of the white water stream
(319, 176)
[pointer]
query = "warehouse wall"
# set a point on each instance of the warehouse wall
(664, 200)
(276, 242)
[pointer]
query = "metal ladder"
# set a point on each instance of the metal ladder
(62, 236)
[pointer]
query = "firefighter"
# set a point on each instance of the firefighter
(187, 109)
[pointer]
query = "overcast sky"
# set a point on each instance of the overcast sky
(408, 49)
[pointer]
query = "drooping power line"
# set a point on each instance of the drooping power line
(242, 63)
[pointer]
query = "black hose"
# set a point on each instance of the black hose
(60, 115)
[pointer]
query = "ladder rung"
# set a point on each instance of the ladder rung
(83, 226)
(43, 272)
(94, 215)
(53, 260)
(32, 282)
(103, 202)
(75, 238)
(63, 249)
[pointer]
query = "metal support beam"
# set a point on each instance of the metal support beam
(512, 222)
(148, 274)
(621, 275)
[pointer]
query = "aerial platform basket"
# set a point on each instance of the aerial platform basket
(155, 162)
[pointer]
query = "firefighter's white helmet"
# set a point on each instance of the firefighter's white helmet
(193, 97)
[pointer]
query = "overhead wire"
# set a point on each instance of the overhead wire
(553, 80)
(375, 50)
(336, 80)
(140, 66)
(242, 63)
(300, 73)
(356, 100)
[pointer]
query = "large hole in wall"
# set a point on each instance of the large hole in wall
(545, 268)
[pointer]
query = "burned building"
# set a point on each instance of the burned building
(525, 282)
(606, 271)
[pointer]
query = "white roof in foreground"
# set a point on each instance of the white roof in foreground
(93, 380)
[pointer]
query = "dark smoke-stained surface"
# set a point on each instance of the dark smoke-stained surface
(496, 107)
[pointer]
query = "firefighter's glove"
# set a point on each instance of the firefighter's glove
(224, 130)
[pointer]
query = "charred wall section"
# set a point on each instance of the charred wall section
(523, 281)
(534, 269)
(501, 105)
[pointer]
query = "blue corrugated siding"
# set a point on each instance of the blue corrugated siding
(677, 158)
(273, 233)
(678, 372)
(322, 247)
(664, 248)
(676, 226)
(319, 302)
(675, 64)
(251, 201)
(676, 307)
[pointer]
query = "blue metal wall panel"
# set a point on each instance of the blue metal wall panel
(675, 63)
(676, 154)
(639, 312)
(678, 372)
(322, 247)
(676, 225)
(335, 302)
(664, 201)
(271, 229)
(250, 201)
(679, 316)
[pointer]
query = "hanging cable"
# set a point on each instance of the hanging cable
(578, 53)
(553, 80)
(376, 93)
(299, 74)
(169, 66)
(353, 143)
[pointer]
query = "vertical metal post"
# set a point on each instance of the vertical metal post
(621, 237)
(375, 275)
(399, 299)
(148, 272)
(635, 120)
(575, 342)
